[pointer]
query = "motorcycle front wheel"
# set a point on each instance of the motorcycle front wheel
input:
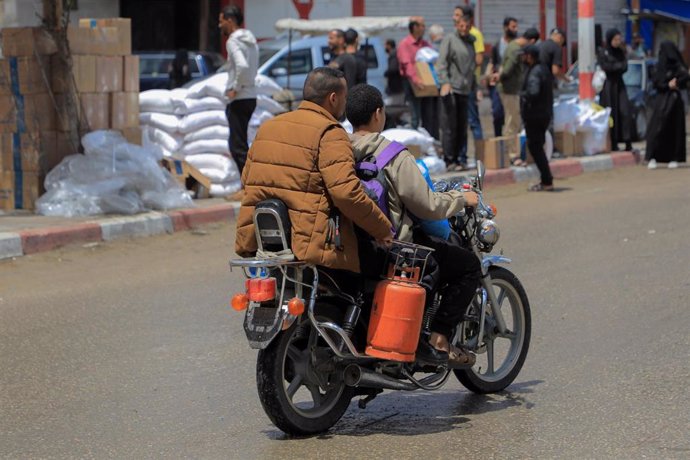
(300, 389)
(500, 357)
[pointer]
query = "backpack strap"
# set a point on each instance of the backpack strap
(387, 154)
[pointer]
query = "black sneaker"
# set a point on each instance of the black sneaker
(428, 355)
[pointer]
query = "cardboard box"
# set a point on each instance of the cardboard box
(83, 72)
(124, 110)
(120, 34)
(131, 74)
(497, 151)
(26, 41)
(569, 144)
(20, 190)
(189, 176)
(81, 41)
(33, 74)
(26, 113)
(34, 152)
(133, 135)
(8, 114)
(5, 79)
(109, 74)
(425, 73)
(415, 150)
(96, 109)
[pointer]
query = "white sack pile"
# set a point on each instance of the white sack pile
(574, 116)
(112, 177)
(420, 138)
(190, 124)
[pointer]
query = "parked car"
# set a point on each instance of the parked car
(153, 67)
(638, 85)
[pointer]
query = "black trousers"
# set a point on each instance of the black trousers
(430, 120)
(454, 127)
(536, 135)
(459, 274)
(239, 113)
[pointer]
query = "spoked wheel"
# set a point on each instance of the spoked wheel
(299, 386)
(500, 356)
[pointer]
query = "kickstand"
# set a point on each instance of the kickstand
(364, 401)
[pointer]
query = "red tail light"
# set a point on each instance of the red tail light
(261, 289)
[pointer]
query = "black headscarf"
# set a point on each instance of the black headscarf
(670, 59)
(617, 52)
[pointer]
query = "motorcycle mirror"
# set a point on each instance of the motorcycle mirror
(481, 170)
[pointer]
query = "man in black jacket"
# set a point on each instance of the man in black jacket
(536, 107)
(392, 74)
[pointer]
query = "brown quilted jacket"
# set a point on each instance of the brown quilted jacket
(305, 158)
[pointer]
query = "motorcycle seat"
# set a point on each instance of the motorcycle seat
(272, 226)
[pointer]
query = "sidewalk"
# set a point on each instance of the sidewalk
(23, 233)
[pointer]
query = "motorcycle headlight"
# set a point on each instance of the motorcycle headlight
(488, 232)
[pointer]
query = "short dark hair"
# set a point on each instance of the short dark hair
(467, 10)
(390, 42)
(339, 32)
(233, 12)
(321, 82)
(412, 24)
(362, 102)
(508, 20)
(351, 36)
(531, 34)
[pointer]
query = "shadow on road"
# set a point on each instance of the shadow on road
(414, 414)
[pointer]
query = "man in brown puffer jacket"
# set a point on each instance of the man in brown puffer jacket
(305, 158)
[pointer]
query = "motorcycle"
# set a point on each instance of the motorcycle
(319, 347)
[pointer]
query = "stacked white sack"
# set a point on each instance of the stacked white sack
(191, 124)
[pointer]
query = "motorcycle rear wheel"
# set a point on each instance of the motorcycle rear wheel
(486, 376)
(292, 390)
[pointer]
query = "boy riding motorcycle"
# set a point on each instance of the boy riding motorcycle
(408, 195)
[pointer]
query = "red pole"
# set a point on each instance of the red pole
(586, 50)
(358, 8)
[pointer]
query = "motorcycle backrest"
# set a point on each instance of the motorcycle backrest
(272, 225)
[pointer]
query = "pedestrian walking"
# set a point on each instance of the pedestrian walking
(352, 47)
(407, 54)
(536, 107)
(345, 62)
(510, 31)
(510, 80)
(394, 82)
(613, 61)
(455, 67)
(666, 131)
(476, 93)
(242, 64)
(178, 70)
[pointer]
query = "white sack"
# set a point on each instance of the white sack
(258, 118)
(164, 121)
(410, 137)
(188, 106)
(266, 85)
(210, 132)
(214, 86)
(170, 142)
(156, 100)
(268, 104)
(205, 146)
(435, 164)
(196, 121)
(225, 189)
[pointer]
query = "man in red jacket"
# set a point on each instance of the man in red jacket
(407, 52)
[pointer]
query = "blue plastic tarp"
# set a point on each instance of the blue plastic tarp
(674, 9)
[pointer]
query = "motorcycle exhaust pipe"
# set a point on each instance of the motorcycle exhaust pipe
(355, 376)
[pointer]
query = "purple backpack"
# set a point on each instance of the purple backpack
(370, 172)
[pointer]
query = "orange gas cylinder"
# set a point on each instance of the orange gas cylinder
(396, 319)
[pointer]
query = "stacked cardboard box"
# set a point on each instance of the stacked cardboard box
(496, 152)
(33, 86)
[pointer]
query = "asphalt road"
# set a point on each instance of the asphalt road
(129, 349)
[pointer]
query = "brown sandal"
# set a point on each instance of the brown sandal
(459, 358)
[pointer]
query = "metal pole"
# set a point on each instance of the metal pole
(289, 61)
(586, 48)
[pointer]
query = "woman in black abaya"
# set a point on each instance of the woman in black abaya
(666, 131)
(613, 61)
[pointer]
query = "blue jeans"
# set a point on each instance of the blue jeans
(473, 121)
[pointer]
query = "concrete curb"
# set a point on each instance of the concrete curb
(16, 244)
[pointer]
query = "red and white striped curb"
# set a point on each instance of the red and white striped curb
(25, 242)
